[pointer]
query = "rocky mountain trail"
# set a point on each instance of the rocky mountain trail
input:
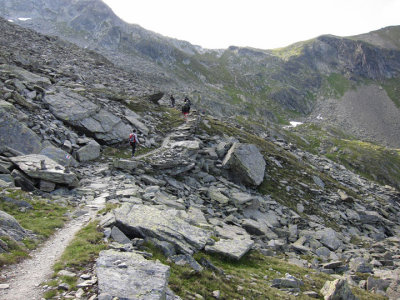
(206, 187)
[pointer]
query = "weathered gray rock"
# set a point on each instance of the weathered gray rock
(288, 281)
(184, 259)
(10, 227)
(118, 236)
(16, 135)
(130, 276)
(78, 111)
(329, 238)
(134, 119)
(337, 290)
(89, 152)
(32, 165)
(125, 164)
(246, 163)
(234, 242)
(165, 225)
(240, 198)
(59, 156)
(360, 265)
(190, 145)
(217, 196)
(25, 75)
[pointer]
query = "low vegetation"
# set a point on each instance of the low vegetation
(42, 219)
(248, 278)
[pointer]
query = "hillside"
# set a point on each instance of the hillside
(263, 85)
(209, 208)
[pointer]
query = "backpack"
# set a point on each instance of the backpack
(186, 107)
(132, 138)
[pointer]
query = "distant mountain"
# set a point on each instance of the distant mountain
(303, 80)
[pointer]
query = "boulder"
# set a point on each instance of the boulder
(133, 118)
(41, 167)
(329, 238)
(59, 156)
(337, 290)
(78, 111)
(17, 136)
(25, 75)
(130, 276)
(125, 164)
(10, 227)
(162, 224)
(246, 163)
(234, 242)
(217, 196)
(88, 152)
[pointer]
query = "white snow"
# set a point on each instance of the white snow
(12, 21)
(24, 19)
(294, 123)
(319, 117)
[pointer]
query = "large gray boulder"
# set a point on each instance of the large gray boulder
(80, 112)
(130, 276)
(59, 156)
(246, 163)
(25, 75)
(88, 152)
(10, 227)
(41, 167)
(162, 224)
(234, 242)
(16, 135)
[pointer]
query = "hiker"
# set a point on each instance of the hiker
(133, 140)
(186, 108)
(172, 101)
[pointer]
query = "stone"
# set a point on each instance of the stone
(4, 286)
(60, 156)
(32, 166)
(66, 273)
(162, 224)
(10, 227)
(360, 265)
(217, 196)
(288, 281)
(88, 152)
(329, 238)
(133, 118)
(184, 259)
(118, 236)
(318, 182)
(234, 242)
(374, 284)
(125, 164)
(240, 198)
(47, 186)
(17, 136)
(337, 290)
(246, 164)
(140, 279)
(190, 145)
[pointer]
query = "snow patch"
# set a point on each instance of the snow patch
(12, 21)
(295, 124)
(24, 19)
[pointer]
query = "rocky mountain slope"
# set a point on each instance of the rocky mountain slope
(209, 208)
(264, 85)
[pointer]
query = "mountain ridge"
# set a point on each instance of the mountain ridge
(267, 85)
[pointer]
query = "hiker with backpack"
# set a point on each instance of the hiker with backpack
(133, 140)
(186, 107)
(172, 99)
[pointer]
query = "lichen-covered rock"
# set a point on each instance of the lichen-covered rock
(246, 163)
(59, 156)
(10, 227)
(162, 224)
(130, 276)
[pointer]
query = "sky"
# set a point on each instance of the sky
(264, 24)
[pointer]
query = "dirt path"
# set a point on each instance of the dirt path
(24, 279)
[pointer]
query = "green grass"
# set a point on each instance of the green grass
(83, 250)
(338, 85)
(248, 278)
(43, 220)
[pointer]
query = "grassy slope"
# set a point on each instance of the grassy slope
(43, 219)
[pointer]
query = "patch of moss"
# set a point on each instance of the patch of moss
(392, 88)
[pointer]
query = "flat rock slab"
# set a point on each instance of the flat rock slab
(53, 172)
(130, 276)
(163, 224)
(234, 242)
